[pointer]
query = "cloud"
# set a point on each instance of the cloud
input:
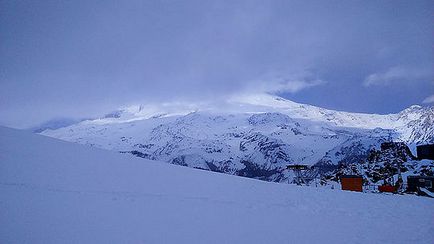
(398, 74)
(292, 85)
(288, 83)
(93, 57)
(429, 99)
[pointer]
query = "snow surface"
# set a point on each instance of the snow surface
(53, 191)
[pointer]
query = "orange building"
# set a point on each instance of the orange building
(352, 183)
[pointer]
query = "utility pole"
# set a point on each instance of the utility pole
(399, 181)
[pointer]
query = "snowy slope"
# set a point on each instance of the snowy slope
(244, 144)
(254, 136)
(57, 192)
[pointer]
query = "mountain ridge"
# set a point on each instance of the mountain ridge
(252, 136)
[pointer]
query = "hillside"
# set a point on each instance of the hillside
(53, 191)
(253, 136)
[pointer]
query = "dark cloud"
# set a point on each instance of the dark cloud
(82, 58)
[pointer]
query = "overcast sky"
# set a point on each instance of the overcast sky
(85, 58)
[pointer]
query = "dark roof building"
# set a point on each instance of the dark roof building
(415, 181)
(425, 151)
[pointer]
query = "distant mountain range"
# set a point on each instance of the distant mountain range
(251, 135)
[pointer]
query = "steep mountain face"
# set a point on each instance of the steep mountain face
(357, 148)
(252, 136)
(417, 124)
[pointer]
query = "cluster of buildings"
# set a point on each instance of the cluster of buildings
(415, 183)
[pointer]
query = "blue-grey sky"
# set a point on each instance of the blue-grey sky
(84, 58)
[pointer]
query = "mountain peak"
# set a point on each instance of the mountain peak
(413, 108)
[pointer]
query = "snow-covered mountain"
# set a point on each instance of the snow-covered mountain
(53, 191)
(251, 135)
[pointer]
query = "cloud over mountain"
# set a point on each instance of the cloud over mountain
(398, 74)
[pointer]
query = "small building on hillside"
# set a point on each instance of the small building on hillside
(352, 183)
(415, 181)
(425, 151)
